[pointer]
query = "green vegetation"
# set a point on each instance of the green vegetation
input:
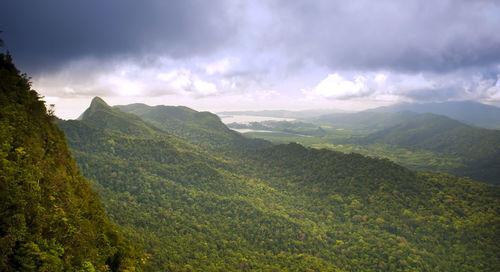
(423, 142)
(364, 120)
(422, 160)
(50, 218)
(469, 112)
(201, 128)
(200, 197)
(478, 148)
(201, 205)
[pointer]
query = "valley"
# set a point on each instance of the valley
(203, 197)
(423, 142)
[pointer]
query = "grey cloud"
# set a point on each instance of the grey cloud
(397, 35)
(361, 35)
(43, 34)
(461, 85)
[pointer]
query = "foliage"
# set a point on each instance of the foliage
(50, 218)
(364, 120)
(279, 208)
(425, 142)
(478, 147)
(201, 128)
(469, 112)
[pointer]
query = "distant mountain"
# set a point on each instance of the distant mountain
(479, 147)
(202, 128)
(277, 208)
(304, 114)
(364, 120)
(469, 112)
(50, 218)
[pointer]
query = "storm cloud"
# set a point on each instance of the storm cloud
(51, 32)
(411, 35)
(320, 53)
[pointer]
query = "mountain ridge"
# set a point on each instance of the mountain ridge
(364, 120)
(283, 207)
(479, 147)
(469, 112)
(203, 128)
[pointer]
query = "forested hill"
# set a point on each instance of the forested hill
(364, 120)
(478, 147)
(279, 208)
(102, 115)
(50, 218)
(165, 192)
(469, 112)
(202, 128)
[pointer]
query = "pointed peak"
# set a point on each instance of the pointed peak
(97, 101)
(96, 104)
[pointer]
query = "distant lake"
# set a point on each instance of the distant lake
(246, 119)
(246, 130)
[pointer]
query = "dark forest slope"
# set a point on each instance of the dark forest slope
(50, 218)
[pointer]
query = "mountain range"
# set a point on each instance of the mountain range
(469, 112)
(420, 141)
(478, 148)
(198, 204)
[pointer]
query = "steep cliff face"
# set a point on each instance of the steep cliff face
(50, 218)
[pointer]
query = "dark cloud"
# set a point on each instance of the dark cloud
(408, 36)
(397, 35)
(41, 34)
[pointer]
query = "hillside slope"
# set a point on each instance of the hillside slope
(50, 218)
(283, 208)
(177, 200)
(479, 148)
(469, 112)
(364, 120)
(202, 128)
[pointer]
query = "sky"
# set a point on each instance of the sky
(223, 55)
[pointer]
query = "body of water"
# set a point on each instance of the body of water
(245, 130)
(246, 119)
